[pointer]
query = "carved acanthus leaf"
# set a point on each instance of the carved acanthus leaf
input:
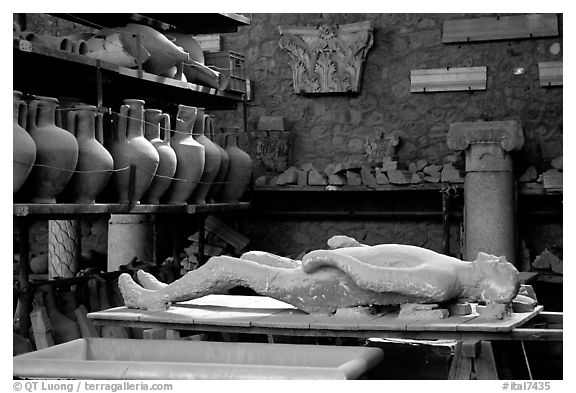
(327, 59)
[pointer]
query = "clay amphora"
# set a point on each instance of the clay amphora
(20, 345)
(188, 43)
(63, 328)
(167, 165)
(23, 146)
(239, 171)
(190, 157)
(224, 162)
(163, 53)
(95, 163)
(56, 153)
(212, 163)
(133, 154)
(59, 43)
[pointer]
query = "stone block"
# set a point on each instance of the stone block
(416, 179)
(529, 175)
(451, 174)
(432, 179)
(353, 178)
(412, 167)
(367, 177)
(337, 180)
(289, 176)
(273, 181)
(421, 164)
(315, 178)
(261, 181)
(307, 167)
(557, 163)
(389, 166)
(302, 178)
(339, 168)
(329, 170)
(381, 177)
(553, 179)
(353, 165)
(546, 260)
(397, 177)
(432, 169)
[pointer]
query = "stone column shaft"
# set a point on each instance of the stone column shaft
(63, 248)
(489, 216)
(130, 236)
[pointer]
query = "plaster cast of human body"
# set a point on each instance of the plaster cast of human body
(348, 275)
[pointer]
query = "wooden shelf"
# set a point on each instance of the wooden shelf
(190, 23)
(347, 188)
(33, 63)
(29, 209)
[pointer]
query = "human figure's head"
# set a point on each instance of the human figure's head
(499, 282)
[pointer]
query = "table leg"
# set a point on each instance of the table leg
(473, 360)
(25, 295)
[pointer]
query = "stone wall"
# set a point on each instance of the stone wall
(334, 128)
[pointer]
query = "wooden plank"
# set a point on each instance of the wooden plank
(41, 328)
(500, 28)
(446, 324)
(87, 329)
(456, 362)
(503, 325)
(448, 79)
(226, 233)
(485, 364)
(176, 314)
(291, 319)
(230, 316)
(551, 73)
(238, 301)
(385, 322)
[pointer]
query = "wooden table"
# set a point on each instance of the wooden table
(263, 315)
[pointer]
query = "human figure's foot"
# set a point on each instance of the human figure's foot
(137, 297)
(148, 281)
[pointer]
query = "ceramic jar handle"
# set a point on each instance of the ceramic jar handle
(72, 122)
(32, 122)
(211, 133)
(22, 114)
(58, 116)
(165, 125)
(122, 122)
(100, 127)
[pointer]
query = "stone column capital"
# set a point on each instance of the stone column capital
(507, 133)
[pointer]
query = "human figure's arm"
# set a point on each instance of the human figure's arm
(341, 241)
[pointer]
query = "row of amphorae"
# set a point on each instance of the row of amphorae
(145, 160)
